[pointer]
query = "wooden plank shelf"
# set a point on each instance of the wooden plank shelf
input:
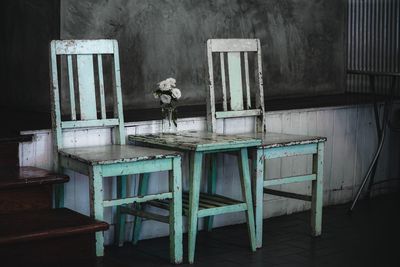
(208, 204)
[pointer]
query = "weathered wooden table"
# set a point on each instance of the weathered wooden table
(203, 205)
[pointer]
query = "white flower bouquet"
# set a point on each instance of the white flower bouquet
(168, 95)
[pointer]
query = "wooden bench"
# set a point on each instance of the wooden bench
(27, 188)
(47, 237)
(31, 232)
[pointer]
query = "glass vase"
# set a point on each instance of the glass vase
(167, 124)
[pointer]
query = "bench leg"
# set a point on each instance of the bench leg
(194, 193)
(258, 168)
(96, 204)
(317, 191)
(247, 197)
(142, 190)
(211, 187)
(121, 217)
(175, 213)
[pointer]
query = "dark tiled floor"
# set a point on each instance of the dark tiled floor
(368, 237)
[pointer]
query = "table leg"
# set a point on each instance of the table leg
(246, 190)
(175, 213)
(142, 190)
(258, 167)
(317, 191)
(194, 193)
(121, 217)
(211, 187)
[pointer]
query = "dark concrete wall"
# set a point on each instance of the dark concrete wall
(302, 41)
(27, 27)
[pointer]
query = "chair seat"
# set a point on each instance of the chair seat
(270, 139)
(110, 154)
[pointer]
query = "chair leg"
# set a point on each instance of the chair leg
(194, 193)
(211, 187)
(96, 204)
(121, 217)
(317, 191)
(258, 167)
(246, 191)
(175, 213)
(59, 195)
(142, 190)
(58, 190)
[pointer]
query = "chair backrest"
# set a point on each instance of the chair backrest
(83, 77)
(235, 52)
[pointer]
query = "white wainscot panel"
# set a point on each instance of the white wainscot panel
(351, 143)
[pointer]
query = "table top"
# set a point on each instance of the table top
(197, 140)
(203, 141)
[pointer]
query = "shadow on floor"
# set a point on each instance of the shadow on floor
(367, 237)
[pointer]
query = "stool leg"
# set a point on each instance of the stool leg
(211, 187)
(175, 213)
(258, 166)
(121, 217)
(317, 198)
(194, 193)
(142, 190)
(246, 191)
(96, 204)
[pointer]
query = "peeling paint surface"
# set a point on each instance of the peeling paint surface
(271, 140)
(198, 141)
(115, 154)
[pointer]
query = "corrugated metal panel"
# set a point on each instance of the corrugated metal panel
(373, 34)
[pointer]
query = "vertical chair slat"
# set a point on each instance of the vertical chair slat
(55, 106)
(101, 86)
(71, 87)
(235, 81)
(118, 112)
(261, 127)
(225, 103)
(246, 70)
(211, 120)
(87, 95)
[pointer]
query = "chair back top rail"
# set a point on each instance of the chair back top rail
(234, 45)
(84, 47)
(84, 74)
(234, 62)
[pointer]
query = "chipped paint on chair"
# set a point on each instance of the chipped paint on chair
(84, 63)
(236, 102)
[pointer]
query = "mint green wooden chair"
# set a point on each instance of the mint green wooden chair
(84, 64)
(235, 54)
